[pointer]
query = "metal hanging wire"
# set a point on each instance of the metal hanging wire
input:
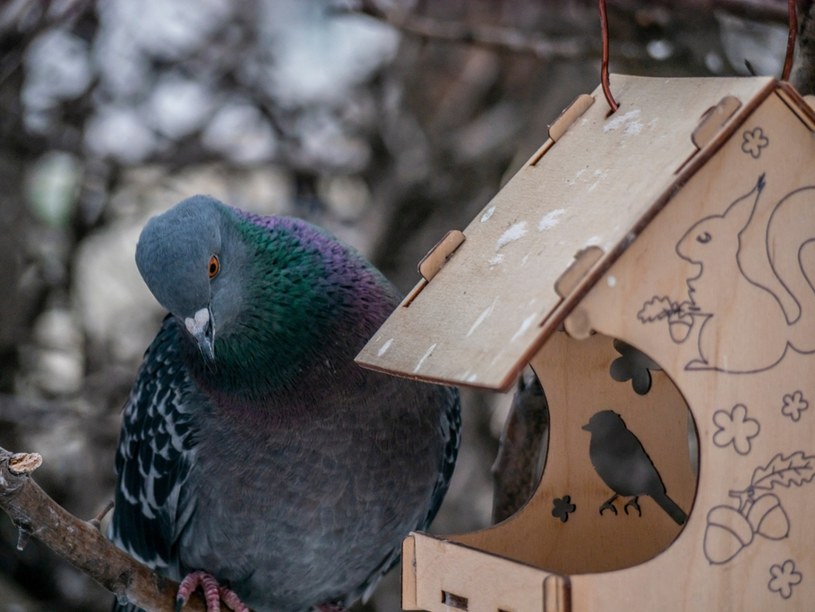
(604, 79)
(792, 19)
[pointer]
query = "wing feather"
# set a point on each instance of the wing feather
(154, 456)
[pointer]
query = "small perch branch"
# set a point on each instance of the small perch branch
(36, 514)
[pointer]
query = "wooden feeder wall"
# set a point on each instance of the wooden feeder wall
(674, 242)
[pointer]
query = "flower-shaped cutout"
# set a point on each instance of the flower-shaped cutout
(754, 141)
(563, 507)
(735, 428)
(633, 365)
(794, 405)
(783, 577)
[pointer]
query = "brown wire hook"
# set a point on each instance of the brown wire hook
(604, 80)
(793, 31)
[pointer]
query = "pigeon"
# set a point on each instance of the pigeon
(620, 460)
(256, 459)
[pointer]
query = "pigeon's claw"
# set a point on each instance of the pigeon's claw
(634, 504)
(214, 593)
(609, 505)
(231, 599)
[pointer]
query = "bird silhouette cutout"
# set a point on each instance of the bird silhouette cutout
(620, 460)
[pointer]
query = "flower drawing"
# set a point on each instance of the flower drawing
(794, 405)
(735, 428)
(754, 141)
(783, 577)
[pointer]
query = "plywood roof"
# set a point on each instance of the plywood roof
(480, 319)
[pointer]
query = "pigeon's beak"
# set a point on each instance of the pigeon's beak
(201, 328)
(586, 427)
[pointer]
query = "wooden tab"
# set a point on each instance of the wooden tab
(583, 262)
(434, 261)
(409, 573)
(578, 324)
(556, 592)
(569, 115)
(713, 120)
(560, 125)
(436, 257)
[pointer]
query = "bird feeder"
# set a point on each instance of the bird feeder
(656, 267)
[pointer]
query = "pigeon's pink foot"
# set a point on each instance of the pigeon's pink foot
(231, 599)
(214, 593)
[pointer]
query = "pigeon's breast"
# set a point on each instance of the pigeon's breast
(306, 509)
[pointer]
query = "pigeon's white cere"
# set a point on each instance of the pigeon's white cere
(196, 324)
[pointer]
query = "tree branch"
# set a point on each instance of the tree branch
(36, 514)
(518, 466)
(490, 37)
(803, 74)
(515, 40)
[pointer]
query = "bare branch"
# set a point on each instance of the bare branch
(803, 75)
(517, 41)
(496, 38)
(518, 466)
(756, 10)
(36, 514)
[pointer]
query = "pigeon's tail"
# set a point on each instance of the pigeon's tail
(674, 511)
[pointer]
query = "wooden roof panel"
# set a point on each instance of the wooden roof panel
(478, 321)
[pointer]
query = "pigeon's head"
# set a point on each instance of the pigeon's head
(191, 264)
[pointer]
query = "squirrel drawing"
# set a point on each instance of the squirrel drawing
(750, 313)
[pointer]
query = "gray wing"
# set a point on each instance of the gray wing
(154, 456)
(451, 431)
(451, 428)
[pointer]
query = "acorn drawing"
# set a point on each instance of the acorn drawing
(679, 315)
(727, 532)
(730, 529)
(679, 326)
(768, 517)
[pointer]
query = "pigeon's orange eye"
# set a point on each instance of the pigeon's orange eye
(214, 266)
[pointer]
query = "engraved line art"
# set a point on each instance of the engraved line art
(753, 141)
(793, 405)
(783, 577)
(758, 511)
(778, 291)
(735, 428)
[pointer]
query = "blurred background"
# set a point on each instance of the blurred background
(387, 122)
